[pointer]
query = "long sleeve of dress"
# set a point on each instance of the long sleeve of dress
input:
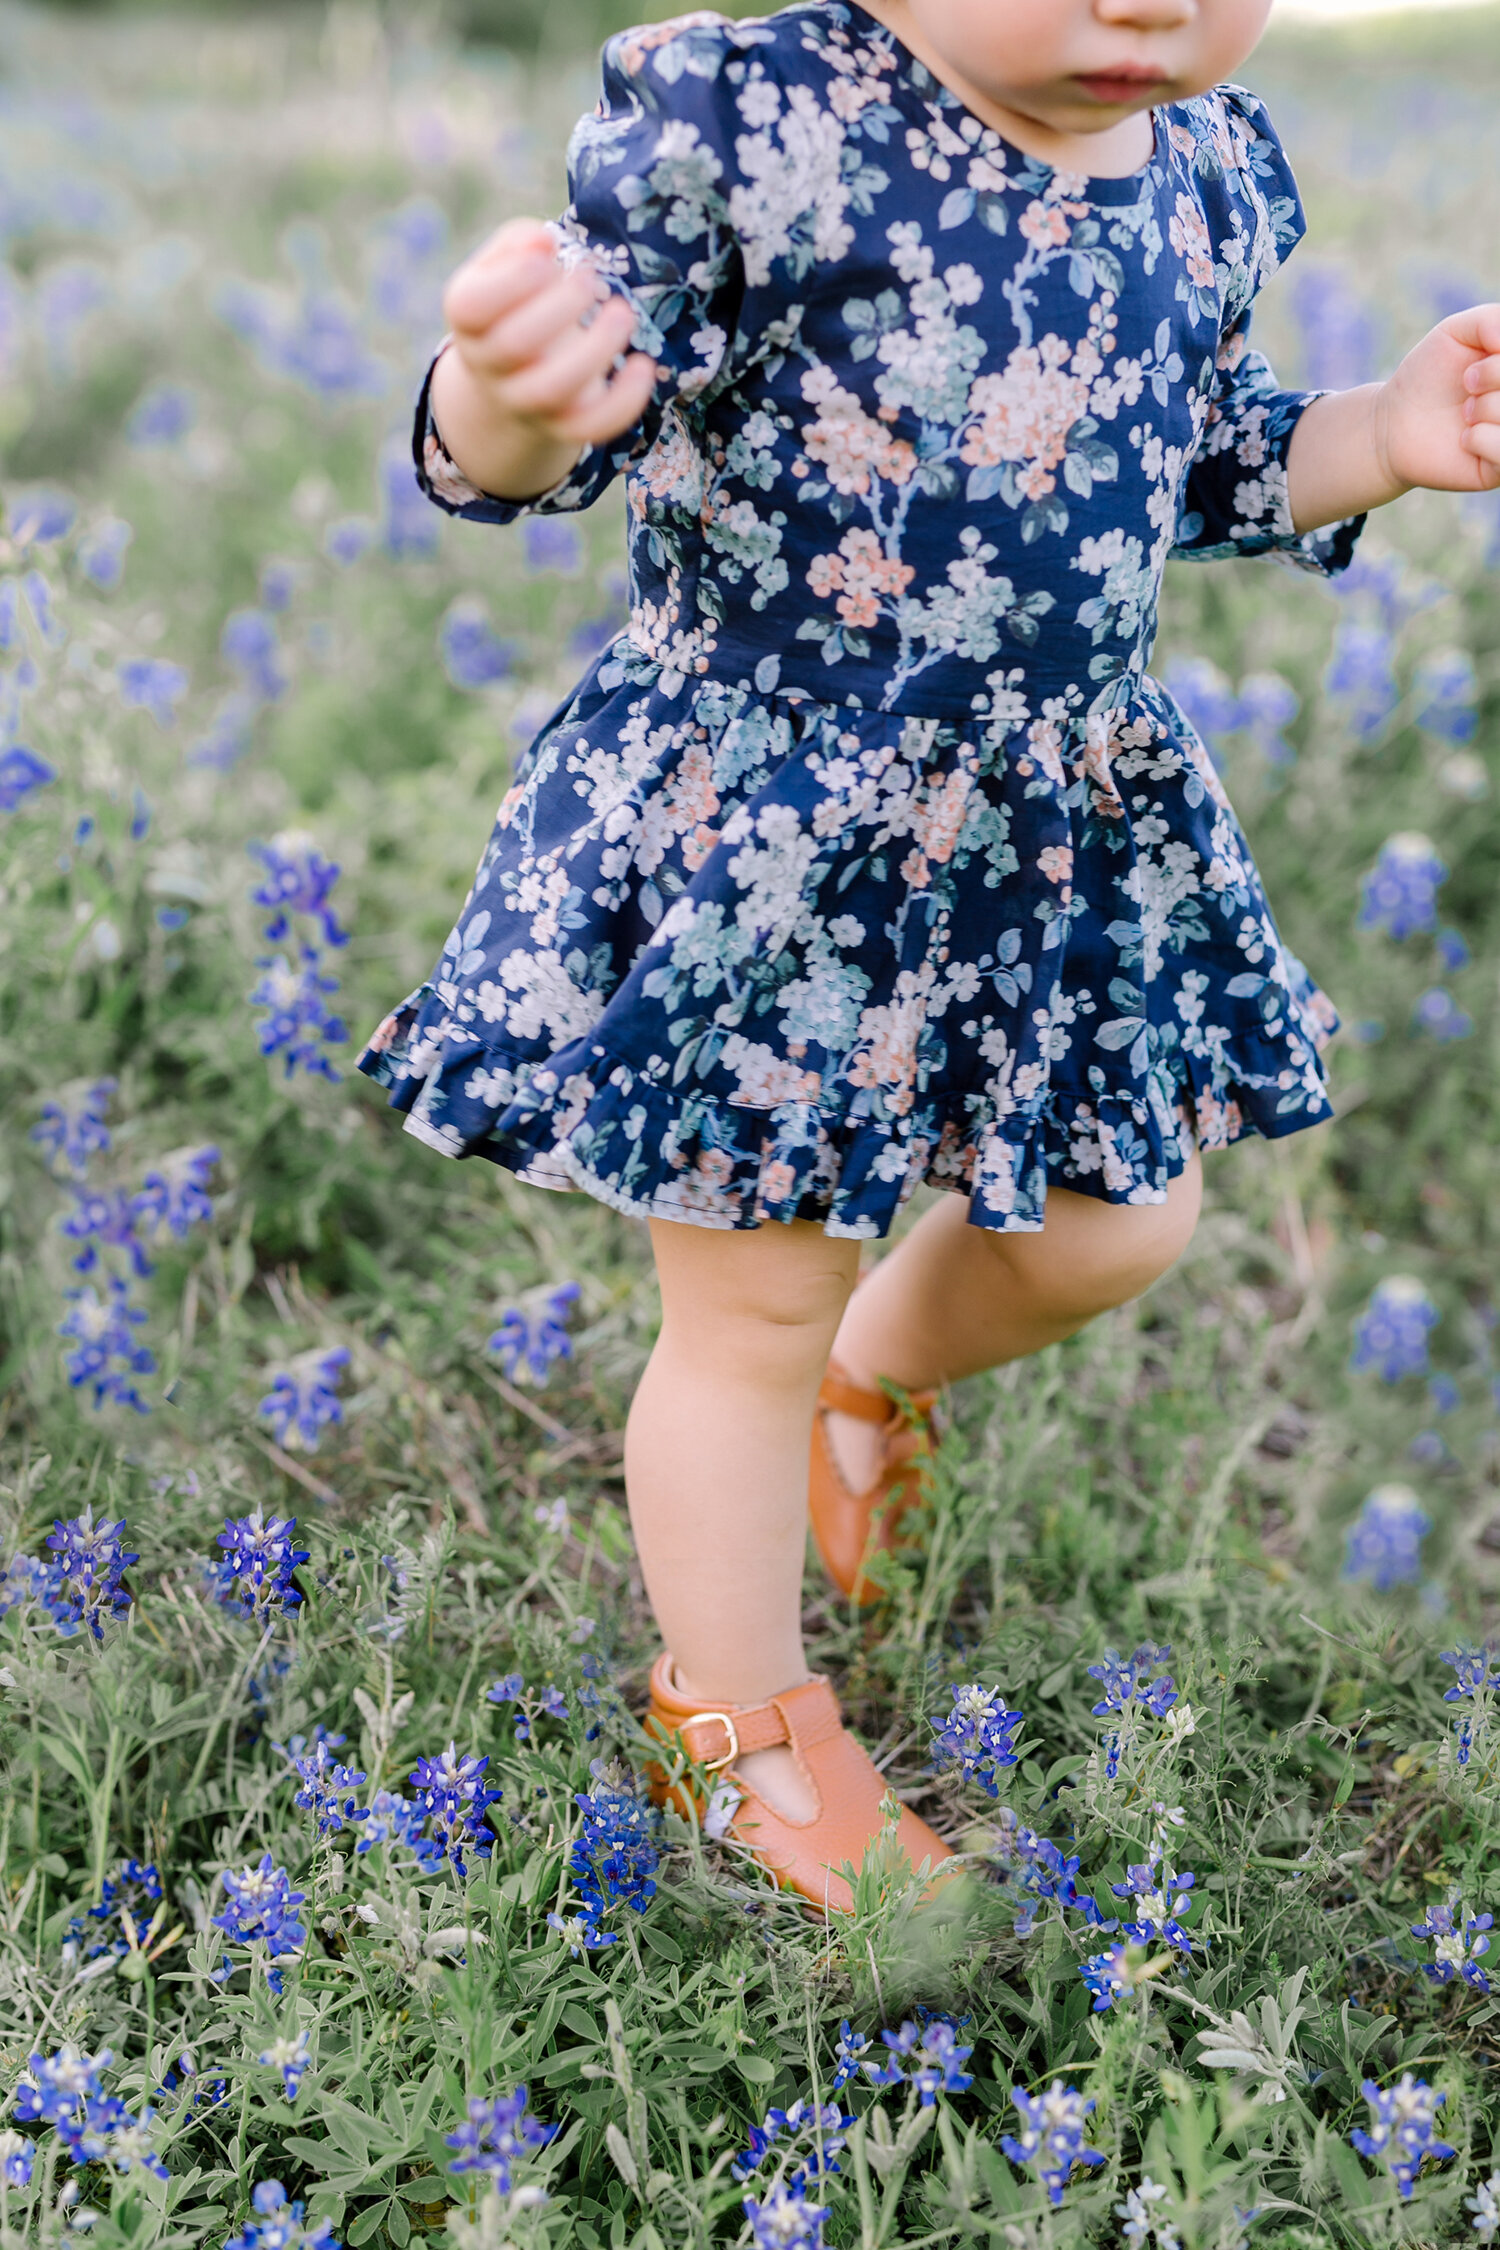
(651, 174)
(1236, 501)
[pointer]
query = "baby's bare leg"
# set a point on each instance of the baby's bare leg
(716, 1460)
(952, 1299)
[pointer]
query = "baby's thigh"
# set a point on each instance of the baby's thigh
(1091, 1254)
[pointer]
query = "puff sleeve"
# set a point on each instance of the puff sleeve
(651, 175)
(1236, 499)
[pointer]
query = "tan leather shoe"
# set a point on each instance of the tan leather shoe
(848, 1526)
(803, 1856)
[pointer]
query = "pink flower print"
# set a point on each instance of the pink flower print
(1045, 225)
(445, 476)
(1026, 413)
(1045, 739)
(1189, 238)
(938, 823)
(888, 1036)
(777, 1181)
(850, 444)
(1095, 766)
(859, 573)
(1218, 1122)
(1056, 864)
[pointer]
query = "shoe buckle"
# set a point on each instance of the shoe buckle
(720, 1718)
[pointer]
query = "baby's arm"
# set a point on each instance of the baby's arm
(525, 385)
(1435, 422)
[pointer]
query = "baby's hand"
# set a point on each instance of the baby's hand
(1438, 417)
(532, 351)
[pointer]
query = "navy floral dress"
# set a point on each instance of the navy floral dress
(869, 854)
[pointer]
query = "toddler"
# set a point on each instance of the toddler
(870, 854)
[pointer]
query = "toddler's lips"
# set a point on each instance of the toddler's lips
(1118, 89)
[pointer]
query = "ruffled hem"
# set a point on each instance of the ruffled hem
(585, 1120)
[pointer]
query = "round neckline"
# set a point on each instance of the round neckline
(1096, 187)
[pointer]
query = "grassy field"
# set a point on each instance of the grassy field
(225, 616)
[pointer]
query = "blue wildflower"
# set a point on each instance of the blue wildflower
(1340, 342)
(453, 1799)
(1458, 1943)
(150, 683)
(1141, 2222)
(500, 2134)
(328, 1790)
(1361, 677)
(134, 1891)
(297, 880)
(852, 2045)
(38, 594)
(229, 732)
(1453, 950)
(978, 1736)
(1109, 1976)
(17, 2160)
(73, 1131)
(261, 1909)
(1050, 2141)
(109, 2134)
(1485, 2204)
(251, 646)
(1391, 1333)
(278, 582)
(1384, 1542)
(161, 415)
(39, 516)
(174, 1194)
(580, 1934)
(104, 1218)
(347, 539)
(784, 2219)
(925, 2056)
(1400, 2133)
(85, 1573)
(1133, 1679)
(254, 1576)
(23, 1580)
(1474, 1669)
(1042, 1873)
(527, 1344)
(297, 1024)
(409, 528)
(1207, 701)
(1158, 1899)
(101, 552)
(279, 2225)
(106, 1353)
(1268, 703)
(302, 1401)
(293, 2058)
(474, 656)
(390, 1818)
(57, 2089)
(1439, 1015)
(1446, 690)
(1400, 892)
(21, 771)
(615, 1857)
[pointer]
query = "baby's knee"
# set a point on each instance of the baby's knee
(1092, 1255)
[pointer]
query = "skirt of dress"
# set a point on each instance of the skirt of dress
(732, 957)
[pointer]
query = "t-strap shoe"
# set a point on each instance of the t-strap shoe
(850, 1527)
(803, 1856)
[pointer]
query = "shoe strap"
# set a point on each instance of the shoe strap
(839, 1394)
(802, 1716)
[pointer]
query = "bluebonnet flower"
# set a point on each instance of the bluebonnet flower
(302, 1401)
(390, 1818)
(58, 2088)
(580, 1934)
(552, 543)
(926, 2056)
(452, 1796)
(103, 1218)
(39, 516)
(1042, 1873)
(978, 1736)
(615, 1857)
(1268, 703)
(37, 591)
(297, 880)
(100, 554)
(21, 771)
(254, 1575)
(316, 343)
(182, 2083)
(1158, 1899)
(110, 2134)
(785, 2219)
(1453, 950)
(297, 1024)
(1141, 2219)
(500, 2134)
(73, 1131)
(174, 1193)
(279, 581)
(85, 1573)
(1474, 1670)
(1446, 688)
(1109, 1976)
(17, 2159)
(852, 2045)
(1391, 1333)
(822, 2128)
(347, 539)
(1132, 1679)
(1384, 1542)
(1050, 2142)
(474, 656)
(527, 1344)
(161, 415)
(1485, 2205)
(404, 289)
(1361, 677)
(293, 2058)
(150, 683)
(586, 640)
(230, 731)
(1207, 700)
(1458, 1943)
(134, 1889)
(328, 1790)
(261, 1909)
(409, 529)
(251, 646)
(1438, 1014)
(1400, 892)
(1339, 340)
(1444, 1394)
(1400, 2134)
(279, 2225)
(24, 1579)
(106, 1353)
